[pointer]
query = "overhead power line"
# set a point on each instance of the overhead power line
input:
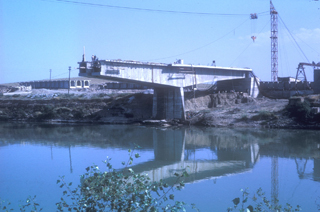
(65, 73)
(247, 46)
(208, 44)
(151, 10)
(309, 46)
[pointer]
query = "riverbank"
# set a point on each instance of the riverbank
(79, 106)
(135, 107)
(238, 110)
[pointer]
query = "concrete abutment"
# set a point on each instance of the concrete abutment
(168, 103)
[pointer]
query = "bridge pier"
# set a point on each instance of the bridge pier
(168, 103)
(169, 145)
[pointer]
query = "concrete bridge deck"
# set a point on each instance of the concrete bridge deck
(159, 74)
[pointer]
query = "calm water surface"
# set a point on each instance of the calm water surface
(284, 163)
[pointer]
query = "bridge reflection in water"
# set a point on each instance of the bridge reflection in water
(171, 156)
(206, 153)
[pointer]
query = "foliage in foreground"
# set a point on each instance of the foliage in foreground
(30, 205)
(261, 203)
(113, 190)
(125, 190)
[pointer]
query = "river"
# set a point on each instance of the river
(221, 162)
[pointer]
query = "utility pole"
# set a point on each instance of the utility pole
(69, 80)
(50, 74)
(274, 43)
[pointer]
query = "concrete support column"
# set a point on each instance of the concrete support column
(316, 169)
(168, 103)
(249, 154)
(169, 145)
(316, 79)
(254, 90)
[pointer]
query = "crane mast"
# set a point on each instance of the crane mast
(274, 43)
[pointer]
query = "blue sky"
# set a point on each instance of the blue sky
(39, 35)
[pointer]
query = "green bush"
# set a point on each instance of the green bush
(260, 203)
(30, 204)
(264, 115)
(78, 114)
(125, 190)
(113, 190)
(46, 115)
(316, 118)
(301, 111)
(244, 118)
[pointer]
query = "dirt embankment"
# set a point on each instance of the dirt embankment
(240, 110)
(237, 110)
(97, 108)
(214, 110)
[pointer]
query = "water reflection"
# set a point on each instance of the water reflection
(169, 145)
(175, 151)
(251, 157)
(205, 152)
(316, 169)
(70, 159)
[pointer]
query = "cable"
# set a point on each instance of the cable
(150, 10)
(290, 38)
(283, 57)
(248, 45)
(264, 13)
(62, 74)
(165, 11)
(308, 45)
(294, 39)
(241, 53)
(200, 46)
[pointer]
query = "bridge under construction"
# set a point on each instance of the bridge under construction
(170, 81)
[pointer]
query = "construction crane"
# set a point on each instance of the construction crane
(274, 43)
(301, 74)
(274, 78)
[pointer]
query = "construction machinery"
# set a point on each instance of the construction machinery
(301, 74)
